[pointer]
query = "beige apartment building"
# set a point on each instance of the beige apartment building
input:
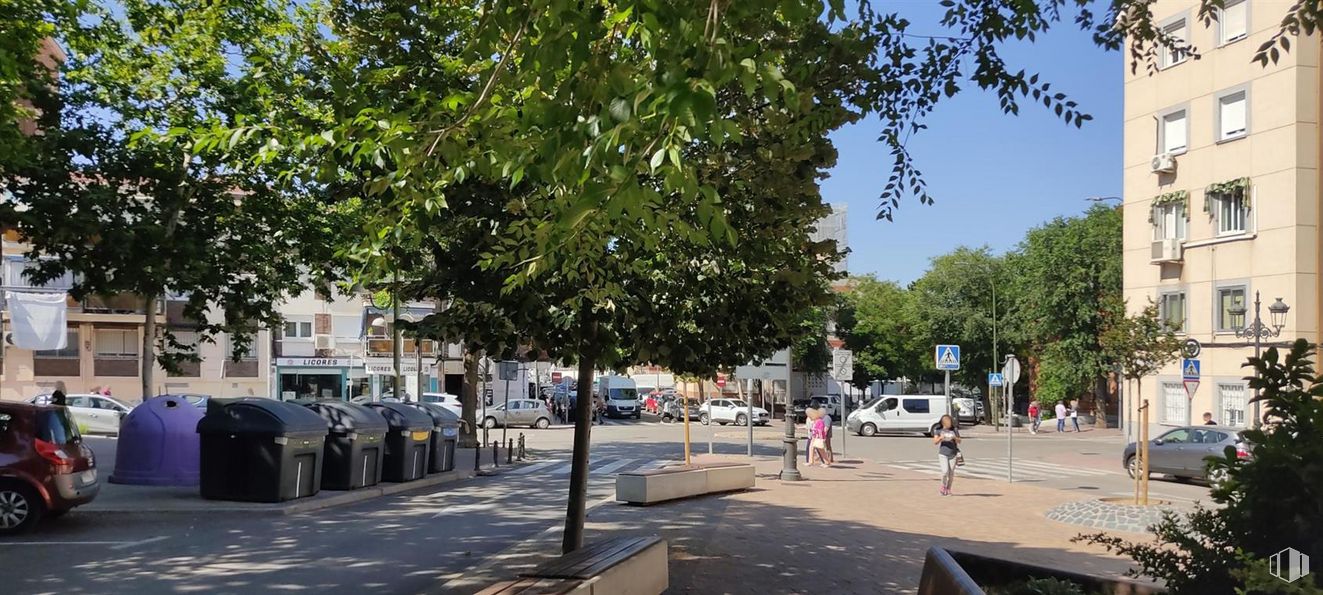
(1221, 189)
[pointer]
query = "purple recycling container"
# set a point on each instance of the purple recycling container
(159, 444)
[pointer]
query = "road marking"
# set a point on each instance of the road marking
(114, 545)
(124, 546)
(605, 469)
(533, 468)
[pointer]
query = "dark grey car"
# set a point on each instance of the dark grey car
(1180, 452)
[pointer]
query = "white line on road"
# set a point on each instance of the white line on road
(613, 466)
(114, 545)
(533, 468)
(124, 546)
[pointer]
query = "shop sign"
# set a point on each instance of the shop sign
(314, 362)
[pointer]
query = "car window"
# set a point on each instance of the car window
(739, 404)
(41, 400)
(77, 402)
(1180, 436)
(56, 427)
(916, 405)
(1208, 437)
(886, 405)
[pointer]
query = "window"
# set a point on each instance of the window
(70, 350)
(1228, 298)
(1173, 134)
(1178, 33)
(1169, 221)
(916, 405)
(1175, 405)
(116, 343)
(1231, 395)
(886, 405)
(298, 330)
(1231, 213)
(1181, 436)
(1171, 311)
(14, 276)
(1231, 115)
(1233, 22)
(250, 355)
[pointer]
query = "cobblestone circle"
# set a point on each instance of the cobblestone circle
(1110, 516)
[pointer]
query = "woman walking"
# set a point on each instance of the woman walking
(1035, 416)
(818, 445)
(1075, 414)
(947, 439)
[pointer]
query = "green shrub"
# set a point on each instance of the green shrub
(1270, 501)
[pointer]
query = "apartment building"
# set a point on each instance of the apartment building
(1221, 187)
(104, 346)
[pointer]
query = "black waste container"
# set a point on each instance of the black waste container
(355, 444)
(445, 433)
(260, 450)
(406, 441)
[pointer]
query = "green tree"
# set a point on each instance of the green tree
(874, 322)
(952, 304)
(1066, 278)
(1140, 343)
(111, 191)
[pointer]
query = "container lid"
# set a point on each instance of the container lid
(441, 416)
(402, 416)
(256, 415)
(342, 417)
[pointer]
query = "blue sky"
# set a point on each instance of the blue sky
(994, 176)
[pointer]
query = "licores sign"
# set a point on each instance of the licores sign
(313, 362)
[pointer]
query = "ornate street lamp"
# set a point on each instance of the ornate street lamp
(1258, 331)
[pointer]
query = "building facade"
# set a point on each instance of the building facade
(1221, 185)
(105, 342)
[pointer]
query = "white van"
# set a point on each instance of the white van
(898, 414)
(621, 396)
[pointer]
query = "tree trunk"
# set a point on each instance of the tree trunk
(469, 400)
(576, 509)
(1100, 402)
(148, 345)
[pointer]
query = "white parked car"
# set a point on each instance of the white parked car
(94, 414)
(521, 412)
(731, 411)
(447, 400)
(898, 414)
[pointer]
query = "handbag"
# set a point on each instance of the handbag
(960, 459)
(819, 443)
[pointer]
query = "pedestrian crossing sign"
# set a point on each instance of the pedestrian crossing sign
(995, 379)
(948, 357)
(1190, 369)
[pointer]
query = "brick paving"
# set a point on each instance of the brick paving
(858, 528)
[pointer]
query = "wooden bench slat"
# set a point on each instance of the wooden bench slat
(593, 560)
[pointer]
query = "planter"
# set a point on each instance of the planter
(962, 573)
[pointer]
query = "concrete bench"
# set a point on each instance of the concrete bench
(533, 586)
(620, 566)
(660, 485)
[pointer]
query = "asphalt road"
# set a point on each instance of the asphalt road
(419, 541)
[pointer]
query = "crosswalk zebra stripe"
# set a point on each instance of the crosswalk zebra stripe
(533, 468)
(613, 466)
(996, 469)
(1061, 468)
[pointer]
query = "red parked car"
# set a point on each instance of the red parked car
(45, 469)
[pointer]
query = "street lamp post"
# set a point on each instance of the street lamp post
(1258, 331)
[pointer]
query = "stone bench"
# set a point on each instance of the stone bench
(620, 566)
(660, 485)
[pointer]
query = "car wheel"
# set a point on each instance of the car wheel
(1132, 466)
(20, 509)
(542, 423)
(741, 420)
(868, 430)
(489, 423)
(638, 416)
(702, 419)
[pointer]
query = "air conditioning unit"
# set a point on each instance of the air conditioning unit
(8, 339)
(1164, 164)
(1166, 251)
(323, 342)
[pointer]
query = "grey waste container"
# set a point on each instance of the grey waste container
(445, 433)
(355, 444)
(406, 441)
(260, 450)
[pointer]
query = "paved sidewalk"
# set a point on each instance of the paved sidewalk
(156, 500)
(858, 528)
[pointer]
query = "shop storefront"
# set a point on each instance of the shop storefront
(338, 378)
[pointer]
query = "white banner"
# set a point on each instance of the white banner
(38, 320)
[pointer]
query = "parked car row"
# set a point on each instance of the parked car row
(732, 411)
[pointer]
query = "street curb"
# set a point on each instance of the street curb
(295, 506)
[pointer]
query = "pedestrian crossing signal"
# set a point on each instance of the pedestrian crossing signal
(1190, 369)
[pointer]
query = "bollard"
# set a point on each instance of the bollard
(496, 455)
(521, 446)
(477, 455)
(509, 452)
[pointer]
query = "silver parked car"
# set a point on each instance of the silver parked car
(1181, 452)
(521, 412)
(94, 414)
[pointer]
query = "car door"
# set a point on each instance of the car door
(112, 413)
(917, 411)
(80, 407)
(1166, 453)
(528, 412)
(890, 417)
(1203, 443)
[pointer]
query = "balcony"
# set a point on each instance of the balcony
(382, 347)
